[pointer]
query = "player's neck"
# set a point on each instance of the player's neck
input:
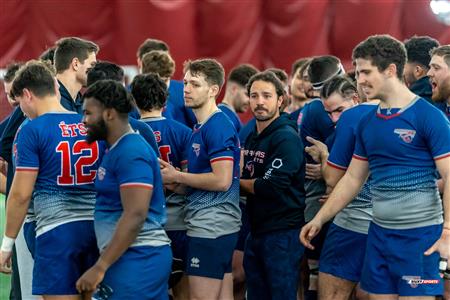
(204, 112)
(70, 83)
(151, 114)
(116, 130)
(49, 104)
(398, 96)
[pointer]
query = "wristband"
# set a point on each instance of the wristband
(7, 244)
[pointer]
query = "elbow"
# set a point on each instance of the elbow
(224, 185)
(137, 219)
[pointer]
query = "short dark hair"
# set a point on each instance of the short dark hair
(111, 94)
(48, 54)
(11, 71)
(418, 49)
(281, 74)
(298, 64)
(442, 51)
(105, 70)
(36, 76)
(323, 68)
(208, 67)
(149, 91)
(70, 47)
(267, 76)
(150, 45)
(382, 50)
(242, 73)
(339, 84)
(160, 62)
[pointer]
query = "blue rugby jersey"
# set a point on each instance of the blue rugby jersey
(173, 139)
(232, 115)
(54, 145)
(401, 147)
(211, 214)
(358, 214)
(444, 107)
(130, 162)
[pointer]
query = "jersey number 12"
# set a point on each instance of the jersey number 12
(80, 177)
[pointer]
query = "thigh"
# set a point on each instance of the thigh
(140, 273)
(282, 255)
(334, 288)
(203, 288)
(343, 253)
(210, 258)
(61, 257)
(255, 274)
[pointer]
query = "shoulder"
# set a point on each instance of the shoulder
(178, 125)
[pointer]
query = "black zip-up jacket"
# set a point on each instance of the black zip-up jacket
(274, 158)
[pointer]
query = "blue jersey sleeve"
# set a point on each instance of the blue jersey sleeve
(146, 132)
(221, 143)
(135, 171)
(436, 128)
(344, 143)
(27, 157)
(360, 151)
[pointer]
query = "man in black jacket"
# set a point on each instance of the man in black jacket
(273, 178)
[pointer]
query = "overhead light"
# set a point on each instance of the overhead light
(441, 9)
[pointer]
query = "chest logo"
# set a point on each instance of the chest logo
(196, 148)
(407, 135)
(250, 167)
(101, 173)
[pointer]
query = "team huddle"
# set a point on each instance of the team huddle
(338, 188)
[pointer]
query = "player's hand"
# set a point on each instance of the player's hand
(313, 171)
(5, 262)
(324, 198)
(3, 166)
(168, 172)
(442, 245)
(318, 151)
(308, 232)
(89, 281)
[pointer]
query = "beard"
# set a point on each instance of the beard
(262, 118)
(96, 132)
(441, 93)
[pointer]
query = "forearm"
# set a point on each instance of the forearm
(127, 229)
(446, 201)
(247, 186)
(344, 192)
(204, 181)
(16, 211)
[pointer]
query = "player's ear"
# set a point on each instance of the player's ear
(27, 94)
(75, 63)
(392, 70)
(108, 114)
(214, 90)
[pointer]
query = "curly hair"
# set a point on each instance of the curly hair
(382, 50)
(111, 94)
(149, 91)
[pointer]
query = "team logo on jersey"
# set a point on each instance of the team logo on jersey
(407, 135)
(196, 148)
(195, 262)
(277, 163)
(101, 173)
(250, 167)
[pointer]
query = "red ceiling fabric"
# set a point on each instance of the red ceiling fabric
(265, 33)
